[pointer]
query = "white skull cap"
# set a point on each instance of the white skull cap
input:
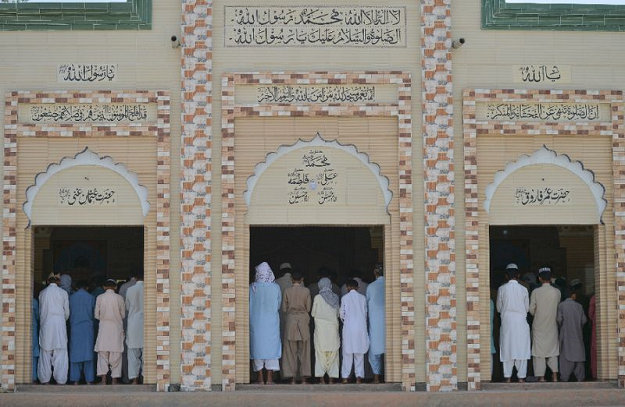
(512, 266)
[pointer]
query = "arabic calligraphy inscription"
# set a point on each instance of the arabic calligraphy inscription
(315, 181)
(88, 113)
(87, 197)
(87, 73)
(546, 74)
(316, 94)
(548, 112)
(544, 196)
(319, 26)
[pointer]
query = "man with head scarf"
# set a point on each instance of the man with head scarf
(514, 338)
(377, 321)
(265, 343)
(325, 311)
(66, 283)
(54, 312)
(296, 305)
(544, 307)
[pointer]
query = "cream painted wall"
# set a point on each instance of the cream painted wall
(146, 61)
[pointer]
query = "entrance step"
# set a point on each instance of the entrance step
(94, 388)
(321, 388)
(549, 386)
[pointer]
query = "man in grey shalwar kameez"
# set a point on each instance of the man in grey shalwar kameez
(571, 319)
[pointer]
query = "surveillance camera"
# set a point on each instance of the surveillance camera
(175, 42)
(455, 44)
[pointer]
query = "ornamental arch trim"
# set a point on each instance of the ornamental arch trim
(318, 141)
(85, 158)
(547, 156)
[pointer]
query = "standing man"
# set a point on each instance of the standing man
(284, 281)
(265, 343)
(377, 321)
(514, 338)
(296, 305)
(35, 337)
(110, 311)
(325, 311)
(353, 313)
(571, 319)
(81, 334)
(54, 312)
(544, 303)
(123, 289)
(134, 332)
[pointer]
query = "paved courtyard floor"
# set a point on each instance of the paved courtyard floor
(568, 395)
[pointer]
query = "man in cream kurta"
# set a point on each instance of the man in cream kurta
(54, 312)
(325, 311)
(514, 338)
(544, 303)
(134, 331)
(110, 311)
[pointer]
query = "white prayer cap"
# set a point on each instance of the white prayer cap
(576, 282)
(512, 266)
(285, 266)
(544, 270)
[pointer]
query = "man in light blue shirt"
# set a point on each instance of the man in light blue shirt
(377, 322)
(265, 343)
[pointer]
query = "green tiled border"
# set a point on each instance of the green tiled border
(132, 15)
(498, 15)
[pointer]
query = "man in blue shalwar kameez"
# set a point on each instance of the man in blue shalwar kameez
(81, 338)
(265, 343)
(377, 322)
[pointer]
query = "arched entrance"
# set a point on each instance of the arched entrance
(317, 203)
(86, 218)
(546, 209)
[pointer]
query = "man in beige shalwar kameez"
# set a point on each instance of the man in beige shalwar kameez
(544, 307)
(296, 305)
(110, 311)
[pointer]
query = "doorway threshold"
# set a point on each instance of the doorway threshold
(549, 386)
(322, 388)
(94, 388)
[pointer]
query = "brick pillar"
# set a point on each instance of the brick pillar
(618, 151)
(438, 155)
(195, 222)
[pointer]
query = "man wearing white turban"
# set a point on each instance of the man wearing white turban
(265, 343)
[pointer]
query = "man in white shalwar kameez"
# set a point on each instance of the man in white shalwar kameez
(54, 313)
(377, 322)
(544, 303)
(325, 311)
(134, 330)
(514, 337)
(353, 313)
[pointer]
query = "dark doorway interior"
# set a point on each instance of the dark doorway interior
(568, 250)
(86, 252)
(308, 248)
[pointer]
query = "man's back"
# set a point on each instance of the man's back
(512, 297)
(81, 305)
(110, 307)
(297, 299)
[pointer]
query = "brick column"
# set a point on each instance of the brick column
(9, 237)
(618, 152)
(195, 222)
(438, 155)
